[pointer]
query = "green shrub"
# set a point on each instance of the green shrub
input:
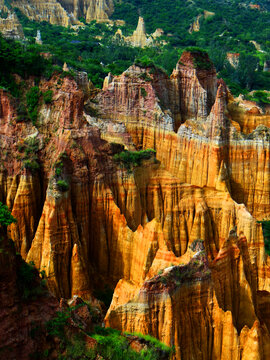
(58, 168)
(113, 346)
(200, 58)
(266, 234)
(5, 216)
(28, 281)
(70, 74)
(133, 158)
(155, 342)
(56, 326)
(47, 96)
(260, 97)
(196, 50)
(143, 92)
(31, 165)
(77, 350)
(62, 185)
(164, 280)
(144, 62)
(32, 99)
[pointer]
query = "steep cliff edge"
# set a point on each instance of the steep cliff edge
(175, 233)
(152, 112)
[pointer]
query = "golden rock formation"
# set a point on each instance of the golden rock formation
(177, 235)
(10, 27)
(139, 38)
(65, 12)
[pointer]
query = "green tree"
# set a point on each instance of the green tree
(5, 216)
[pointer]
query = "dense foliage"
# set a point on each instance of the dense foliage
(113, 346)
(94, 49)
(15, 58)
(231, 29)
(266, 235)
(62, 185)
(5, 216)
(110, 344)
(133, 158)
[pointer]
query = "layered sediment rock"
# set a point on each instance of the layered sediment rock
(140, 38)
(65, 12)
(187, 98)
(10, 26)
(171, 305)
(50, 11)
(178, 234)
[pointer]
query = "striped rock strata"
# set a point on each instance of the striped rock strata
(138, 229)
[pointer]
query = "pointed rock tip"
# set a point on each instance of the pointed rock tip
(222, 89)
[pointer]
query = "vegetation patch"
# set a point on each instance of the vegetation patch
(153, 341)
(145, 62)
(58, 168)
(16, 58)
(110, 344)
(62, 185)
(47, 96)
(133, 158)
(113, 346)
(22, 113)
(261, 97)
(200, 58)
(28, 281)
(266, 234)
(32, 99)
(195, 270)
(30, 148)
(31, 164)
(143, 92)
(5, 215)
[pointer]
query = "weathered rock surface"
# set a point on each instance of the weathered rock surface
(140, 38)
(10, 27)
(65, 12)
(138, 228)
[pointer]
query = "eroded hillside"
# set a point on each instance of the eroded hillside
(173, 229)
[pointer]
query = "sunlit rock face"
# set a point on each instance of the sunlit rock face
(10, 27)
(176, 235)
(65, 12)
(90, 9)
